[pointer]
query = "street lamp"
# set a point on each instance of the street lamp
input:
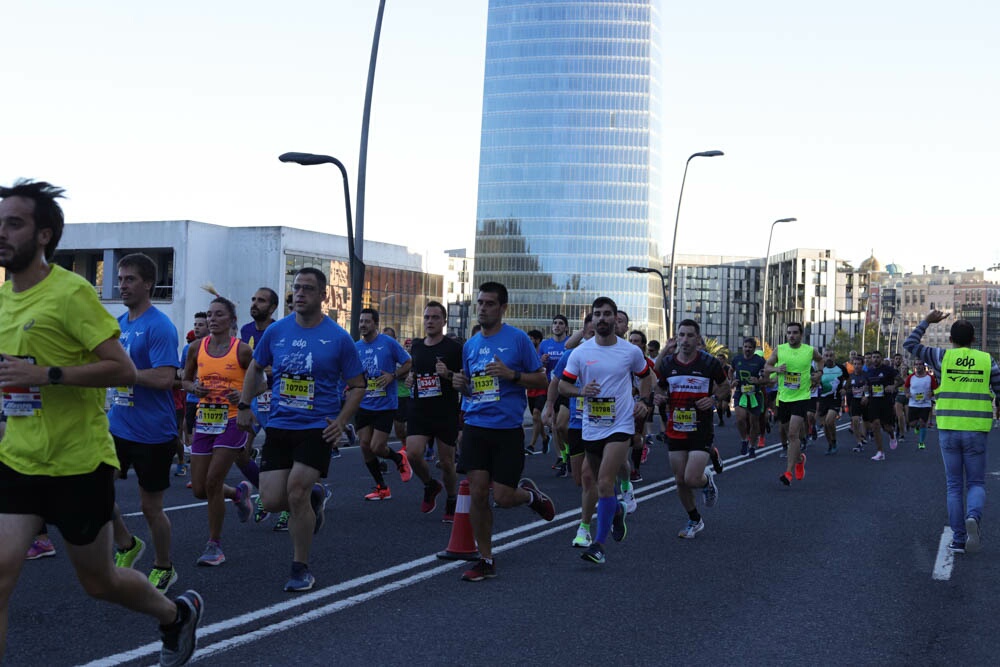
(357, 266)
(767, 262)
(673, 246)
(663, 286)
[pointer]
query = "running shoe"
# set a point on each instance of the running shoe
(560, 468)
(785, 478)
(713, 454)
(530, 450)
(281, 525)
(449, 509)
(956, 547)
(128, 557)
(318, 498)
(41, 548)
(179, 639)
(744, 447)
(921, 445)
(300, 580)
(212, 555)
(565, 471)
(243, 501)
(711, 491)
(752, 453)
(162, 578)
(594, 554)
(972, 542)
(859, 448)
(405, 470)
(431, 492)
(582, 539)
(800, 467)
(259, 513)
(635, 475)
(541, 503)
(691, 529)
(481, 570)
(380, 493)
(628, 498)
(618, 528)
(180, 470)
(893, 443)
(879, 456)
(760, 442)
(335, 453)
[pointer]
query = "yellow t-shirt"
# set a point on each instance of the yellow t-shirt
(58, 430)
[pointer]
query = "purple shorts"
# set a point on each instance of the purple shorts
(202, 444)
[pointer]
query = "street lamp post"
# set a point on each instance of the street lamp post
(767, 262)
(673, 245)
(357, 266)
(663, 286)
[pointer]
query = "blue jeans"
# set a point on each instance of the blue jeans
(964, 454)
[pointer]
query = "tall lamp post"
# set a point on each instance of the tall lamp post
(663, 286)
(767, 263)
(677, 218)
(357, 266)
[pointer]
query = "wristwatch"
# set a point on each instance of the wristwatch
(242, 406)
(55, 375)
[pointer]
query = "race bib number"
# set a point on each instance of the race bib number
(858, 392)
(793, 380)
(123, 397)
(878, 390)
(685, 420)
(372, 390)
(747, 389)
(485, 388)
(297, 391)
(578, 404)
(428, 385)
(918, 397)
(22, 401)
(601, 411)
(211, 418)
(264, 402)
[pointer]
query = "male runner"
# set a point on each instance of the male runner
(142, 415)
(58, 348)
(550, 351)
(309, 354)
(855, 405)
(748, 397)
(498, 363)
(832, 384)
(403, 393)
(920, 388)
(881, 381)
(902, 372)
(536, 402)
(792, 361)
(436, 358)
(687, 383)
(385, 362)
(604, 366)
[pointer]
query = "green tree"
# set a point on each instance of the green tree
(714, 347)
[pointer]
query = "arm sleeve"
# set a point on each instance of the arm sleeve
(932, 356)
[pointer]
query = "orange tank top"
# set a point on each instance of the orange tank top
(220, 375)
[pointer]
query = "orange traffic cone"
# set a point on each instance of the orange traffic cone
(462, 545)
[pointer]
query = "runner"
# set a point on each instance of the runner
(687, 384)
(436, 358)
(902, 372)
(551, 351)
(881, 381)
(498, 363)
(964, 412)
(832, 384)
(536, 402)
(58, 348)
(920, 387)
(403, 394)
(214, 371)
(604, 366)
(142, 415)
(856, 408)
(792, 362)
(310, 354)
(748, 397)
(385, 362)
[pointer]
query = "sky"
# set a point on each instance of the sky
(873, 124)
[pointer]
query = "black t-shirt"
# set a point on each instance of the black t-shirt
(434, 394)
(881, 381)
(685, 385)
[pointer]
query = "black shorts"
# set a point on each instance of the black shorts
(562, 402)
(902, 398)
(880, 409)
(575, 438)
(689, 444)
(443, 428)
(283, 447)
(537, 402)
(789, 409)
(78, 505)
(151, 462)
(402, 409)
(190, 414)
(499, 451)
(915, 414)
(596, 447)
(855, 408)
(380, 420)
(827, 403)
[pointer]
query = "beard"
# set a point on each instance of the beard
(604, 328)
(22, 257)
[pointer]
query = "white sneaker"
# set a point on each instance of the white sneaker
(628, 497)
(582, 539)
(691, 529)
(879, 456)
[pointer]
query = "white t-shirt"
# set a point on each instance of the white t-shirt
(612, 367)
(920, 391)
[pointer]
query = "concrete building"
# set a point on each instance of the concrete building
(459, 292)
(722, 293)
(239, 260)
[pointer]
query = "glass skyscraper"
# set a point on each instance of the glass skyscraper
(569, 166)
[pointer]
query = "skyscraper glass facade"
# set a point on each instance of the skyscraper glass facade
(569, 167)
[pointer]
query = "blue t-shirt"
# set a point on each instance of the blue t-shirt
(496, 402)
(555, 350)
(188, 398)
(142, 414)
(575, 413)
(377, 357)
(307, 365)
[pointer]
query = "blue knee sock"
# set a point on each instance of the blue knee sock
(923, 434)
(606, 508)
(251, 472)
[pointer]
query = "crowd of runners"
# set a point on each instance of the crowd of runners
(88, 399)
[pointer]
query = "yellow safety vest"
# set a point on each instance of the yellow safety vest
(964, 402)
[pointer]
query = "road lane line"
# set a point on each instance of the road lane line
(945, 558)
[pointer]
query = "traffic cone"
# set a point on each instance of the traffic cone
(462, 545)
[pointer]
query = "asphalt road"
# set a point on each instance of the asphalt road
(843, 568)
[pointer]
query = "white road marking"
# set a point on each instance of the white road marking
(945, 558)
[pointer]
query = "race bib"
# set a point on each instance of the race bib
(918, 397)
(372, 390)
(211, 418)
(601, 411)
(578, 404)
(428, 385)
(22, 401)
(878, 390)
(264, 402)
(858, 392)
(297, 391)
(685, 420)
(485, 388)
(793, 380)
(123, 397)
(747, 389)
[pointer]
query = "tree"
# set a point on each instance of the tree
(714, 347)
